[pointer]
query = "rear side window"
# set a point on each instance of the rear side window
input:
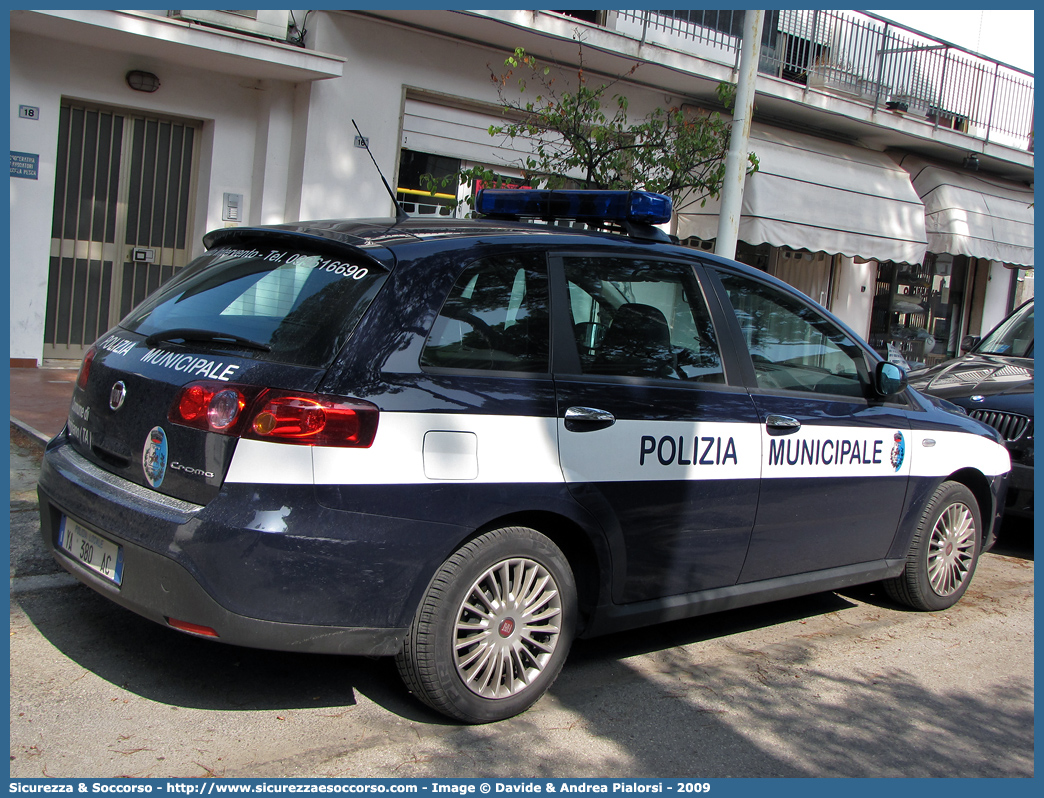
(285, 304)
(494, 319)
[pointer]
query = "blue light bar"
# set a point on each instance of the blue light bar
(600, 206)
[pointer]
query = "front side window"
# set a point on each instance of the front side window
(494, 319)
(641, 318)
(793, 347)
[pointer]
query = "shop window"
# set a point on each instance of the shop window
(1021, 286)
(419, 171)
(916, 315)
(757, 256)
(811, 273)
(414, 193)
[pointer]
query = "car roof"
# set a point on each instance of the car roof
(389, 232)
(386, 234)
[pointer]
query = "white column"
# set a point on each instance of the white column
(272, 153)
(854, 293)
(736, 160)
(998, 289)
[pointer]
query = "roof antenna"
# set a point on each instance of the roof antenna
(400, 214)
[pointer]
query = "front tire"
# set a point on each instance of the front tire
(494, 627)
(943, 553)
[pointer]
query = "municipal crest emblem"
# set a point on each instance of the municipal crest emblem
(154, 458)
(898, 450)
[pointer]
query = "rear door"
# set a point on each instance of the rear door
(653, 439)
(835, 466)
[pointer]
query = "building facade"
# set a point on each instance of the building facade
(895, 184)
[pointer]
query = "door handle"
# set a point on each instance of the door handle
(588, 419)
(782, 422)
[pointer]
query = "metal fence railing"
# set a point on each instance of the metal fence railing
(863, 57)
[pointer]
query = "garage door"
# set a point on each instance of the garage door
(458, 132)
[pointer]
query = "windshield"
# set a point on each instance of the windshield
(281, 303)
(1013, 336)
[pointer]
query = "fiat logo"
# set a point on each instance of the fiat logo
(117, 395)
(507, 626)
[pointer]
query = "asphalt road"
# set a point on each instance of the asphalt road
(837, 684)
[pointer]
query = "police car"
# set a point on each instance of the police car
(465, 443)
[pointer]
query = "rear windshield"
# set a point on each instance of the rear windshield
(280, 303)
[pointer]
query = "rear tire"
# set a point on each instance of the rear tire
(943, 553)
(494, 627)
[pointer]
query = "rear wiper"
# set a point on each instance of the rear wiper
(210, 336)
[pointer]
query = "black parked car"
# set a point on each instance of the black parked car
(994, 383)
(464, 443)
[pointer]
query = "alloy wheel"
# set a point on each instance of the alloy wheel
(951, 549)
(507, 628)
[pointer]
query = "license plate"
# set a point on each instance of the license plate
(95, 552)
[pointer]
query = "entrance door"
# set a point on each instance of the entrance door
(122, 203)
(810, 273)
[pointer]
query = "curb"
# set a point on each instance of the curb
(32, 432)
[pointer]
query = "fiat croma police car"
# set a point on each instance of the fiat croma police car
(464, 443)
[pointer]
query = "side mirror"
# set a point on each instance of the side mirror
(969, 342)
(889, 379)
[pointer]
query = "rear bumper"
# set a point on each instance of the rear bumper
(159, 589)
(297, 590)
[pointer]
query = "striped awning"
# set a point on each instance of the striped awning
(967, 213)
(823, 196)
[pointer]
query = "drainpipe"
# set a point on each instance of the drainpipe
(736, 159)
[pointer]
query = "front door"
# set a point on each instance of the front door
(835, 468)
(122, 204)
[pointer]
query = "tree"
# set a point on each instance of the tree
(583, 137)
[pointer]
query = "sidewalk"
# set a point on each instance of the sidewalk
(40, 400)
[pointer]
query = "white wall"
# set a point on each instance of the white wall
(31, 203)
(854, 293)
(339, 180)
(998, 288)
(240, 116)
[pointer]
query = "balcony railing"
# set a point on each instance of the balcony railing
(862, 57)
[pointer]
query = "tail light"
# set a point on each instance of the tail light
(273, 415)
(209, 407)
(85, 368)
